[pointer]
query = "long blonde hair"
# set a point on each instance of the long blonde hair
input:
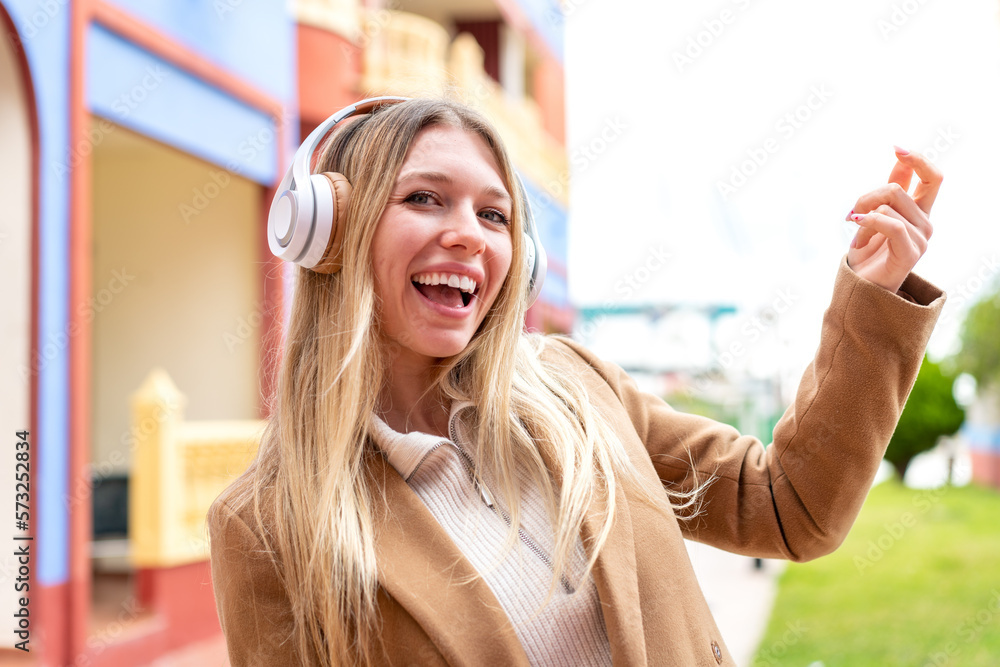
(310, 470)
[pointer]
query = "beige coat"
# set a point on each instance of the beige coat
(795, 499)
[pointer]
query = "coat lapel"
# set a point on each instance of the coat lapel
(616, 578)
(423, 570)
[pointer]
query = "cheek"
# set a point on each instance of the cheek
(504, 257)
(388, 258)
(500, 267)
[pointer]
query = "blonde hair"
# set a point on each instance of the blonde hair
(310, 469)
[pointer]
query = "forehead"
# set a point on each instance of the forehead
(452, 148)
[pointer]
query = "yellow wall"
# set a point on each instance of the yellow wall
(15, 325)
(177, 284)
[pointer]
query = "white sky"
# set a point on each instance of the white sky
(674, 135)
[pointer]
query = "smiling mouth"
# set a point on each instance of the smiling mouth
(449, 290)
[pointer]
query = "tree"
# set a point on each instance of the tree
(930, 412)
(980, 353)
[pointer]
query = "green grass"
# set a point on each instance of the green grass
(922, 594)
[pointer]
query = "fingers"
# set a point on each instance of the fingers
(894, 196)
(902, 175)
(929, 175)
(865, 233)
(905, 246)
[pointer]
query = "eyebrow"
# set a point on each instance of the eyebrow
(439, 177)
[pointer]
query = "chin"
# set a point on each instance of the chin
(447, 347)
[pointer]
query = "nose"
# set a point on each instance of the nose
(464, 229)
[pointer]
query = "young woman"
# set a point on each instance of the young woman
(436, 486)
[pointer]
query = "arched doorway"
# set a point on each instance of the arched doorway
(18, 192)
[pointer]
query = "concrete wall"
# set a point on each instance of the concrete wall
(176, 284)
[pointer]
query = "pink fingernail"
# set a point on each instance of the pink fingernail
(901, 151)
(857, 216)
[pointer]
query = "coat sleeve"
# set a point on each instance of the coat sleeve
(798, 497)
(254, 609)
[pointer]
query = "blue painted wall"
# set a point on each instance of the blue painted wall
(982, 437)
(551, 220)
(135, 89)
(253, 39)
(43, 29)
(547, 18)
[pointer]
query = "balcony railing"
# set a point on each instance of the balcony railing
(411, 55)
(179, 467)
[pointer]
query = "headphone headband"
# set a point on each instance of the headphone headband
(305, 222)
(303, 156)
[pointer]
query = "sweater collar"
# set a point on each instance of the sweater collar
(405, 451)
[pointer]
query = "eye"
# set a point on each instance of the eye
(495, 216)
(420, 198)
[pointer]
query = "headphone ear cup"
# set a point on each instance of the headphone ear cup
(529, 258)
(536, 262)
(341, 189)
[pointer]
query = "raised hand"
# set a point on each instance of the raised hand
(895, 226)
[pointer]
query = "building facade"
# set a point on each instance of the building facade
(143, 141)
(981, 432)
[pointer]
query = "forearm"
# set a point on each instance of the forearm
(799, 498)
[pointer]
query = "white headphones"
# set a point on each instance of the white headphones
(305, 224)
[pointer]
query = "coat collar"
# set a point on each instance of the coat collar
(404, 451)
(427, 574)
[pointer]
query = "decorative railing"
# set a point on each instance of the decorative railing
(178, 468)
(343, 17)
(412, 55)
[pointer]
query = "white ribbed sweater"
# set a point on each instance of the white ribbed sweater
(568, 630)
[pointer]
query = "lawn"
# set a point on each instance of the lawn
(917, 582)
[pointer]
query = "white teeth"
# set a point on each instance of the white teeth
(464, 283)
